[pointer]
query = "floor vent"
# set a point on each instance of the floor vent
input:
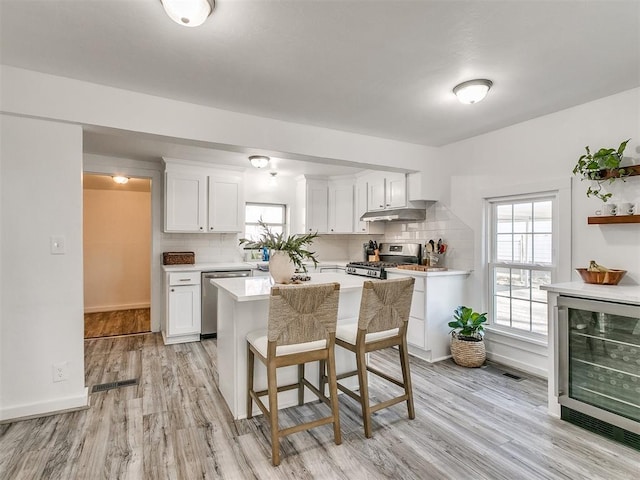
(600, 427)
(512, 376)
(103, 387)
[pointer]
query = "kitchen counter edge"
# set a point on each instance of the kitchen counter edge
(418, 273)
(616, 293)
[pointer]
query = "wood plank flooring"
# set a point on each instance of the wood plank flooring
(470, 424)
(119, 322)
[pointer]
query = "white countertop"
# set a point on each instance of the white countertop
(222, 266)
(616, 293)
(209, 267)
(247, 289)
(418, 273)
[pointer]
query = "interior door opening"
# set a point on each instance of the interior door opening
(117, 256)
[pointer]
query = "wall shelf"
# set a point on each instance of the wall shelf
(632, 171)
(600, 220)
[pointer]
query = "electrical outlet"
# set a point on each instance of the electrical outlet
(60, 371)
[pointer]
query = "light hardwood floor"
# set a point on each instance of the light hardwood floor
(119, 322)
(470, 424)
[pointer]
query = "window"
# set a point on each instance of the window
(273, 214)
(521, 259)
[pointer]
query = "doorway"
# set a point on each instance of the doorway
(117, 253)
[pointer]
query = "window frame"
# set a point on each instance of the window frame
(284, 224)
(493, 264)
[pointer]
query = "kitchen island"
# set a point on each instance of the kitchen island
(243, 306)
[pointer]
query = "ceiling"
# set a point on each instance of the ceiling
(381, 68)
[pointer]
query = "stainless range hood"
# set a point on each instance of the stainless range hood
(398, 214)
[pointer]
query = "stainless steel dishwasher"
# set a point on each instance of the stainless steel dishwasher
(210, 300)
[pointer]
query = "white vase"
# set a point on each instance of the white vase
(281, 267)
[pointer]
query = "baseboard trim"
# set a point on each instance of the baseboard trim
(45, 409)
(114, 308)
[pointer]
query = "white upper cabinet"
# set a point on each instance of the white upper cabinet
(312, 205)
(360, 209)
(386, 190)
(226, 204)
(201, 200)
(395, 190)
(341, 206)
(186, 202)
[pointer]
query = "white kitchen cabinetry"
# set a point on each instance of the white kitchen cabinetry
(361, 226)
(435, 296)
(312, 196)
(200, 200)
(226, 204)
(182, 307)
(341, 206)
(185, 202)
(386, 191)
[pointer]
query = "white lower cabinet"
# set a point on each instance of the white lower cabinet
(435, 297)
(182, 307)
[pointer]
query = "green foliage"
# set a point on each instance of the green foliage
(590, 167)
(468, 324)
(294, 245)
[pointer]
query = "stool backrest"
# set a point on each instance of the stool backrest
(302, 313)
(385, 304)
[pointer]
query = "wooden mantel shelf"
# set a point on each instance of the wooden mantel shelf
(599, 220)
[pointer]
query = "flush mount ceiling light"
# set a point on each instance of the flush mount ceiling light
(259, 161)
(120, 179)
(188, 13)
(472, 91)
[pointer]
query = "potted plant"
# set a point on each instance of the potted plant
(285, 253)
(467, 343)
(602, 166)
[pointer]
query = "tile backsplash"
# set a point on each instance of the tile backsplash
(439, 223)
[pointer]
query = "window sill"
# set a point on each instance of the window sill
(539, 340)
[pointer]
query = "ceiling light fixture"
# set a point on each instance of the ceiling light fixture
(120, 179)
(188, 13)
(472, 91)
(259, 161)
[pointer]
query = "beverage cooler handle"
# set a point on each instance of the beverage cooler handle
(560, 354)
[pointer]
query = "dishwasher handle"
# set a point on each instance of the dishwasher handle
(229, 274)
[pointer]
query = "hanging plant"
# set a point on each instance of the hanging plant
(600, 167)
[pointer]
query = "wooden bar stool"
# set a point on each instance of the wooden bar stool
(301, 329)
(382, 323)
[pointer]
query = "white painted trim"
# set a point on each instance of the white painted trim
(115, 308)
(520, 343)
(135, 168)
(496, 330)
(48, 407)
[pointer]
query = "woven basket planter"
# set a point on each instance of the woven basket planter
(466, 353)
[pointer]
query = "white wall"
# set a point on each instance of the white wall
(41, 309)
(537, 152)
(30, 93)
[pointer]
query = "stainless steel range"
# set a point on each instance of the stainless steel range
(391, 255)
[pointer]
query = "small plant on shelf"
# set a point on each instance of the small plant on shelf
(600, 167)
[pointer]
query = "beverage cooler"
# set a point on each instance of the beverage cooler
(598, 367)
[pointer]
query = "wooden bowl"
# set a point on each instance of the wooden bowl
(611, 277)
